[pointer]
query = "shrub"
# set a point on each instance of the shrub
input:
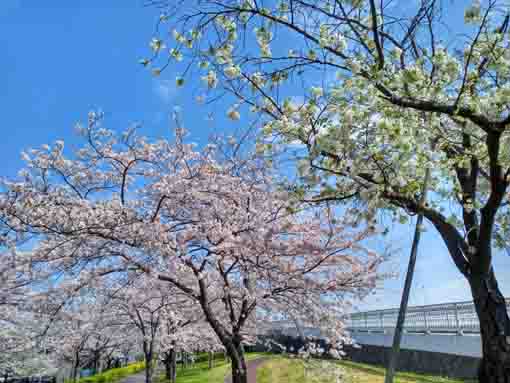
(113, 375)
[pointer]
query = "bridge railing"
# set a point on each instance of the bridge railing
(457, 317)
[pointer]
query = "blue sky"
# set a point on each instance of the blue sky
(60, 60)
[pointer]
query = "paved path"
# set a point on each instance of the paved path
(251, 367)
(137, 378)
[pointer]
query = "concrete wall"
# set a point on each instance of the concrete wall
(467, 345)
(434, 363)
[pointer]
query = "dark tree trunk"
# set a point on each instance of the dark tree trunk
(76, 365)
(168, 365)
(173, 363)
(148, 373)
(147, 349)
(210, 359)
(494, 328)
(236, 354)
(94, 367)
(489, 303)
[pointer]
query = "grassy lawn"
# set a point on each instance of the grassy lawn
(365, 373)
(200, 373)
(282, 370)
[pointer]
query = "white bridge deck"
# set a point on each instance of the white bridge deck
(434, 328)
(458, 318)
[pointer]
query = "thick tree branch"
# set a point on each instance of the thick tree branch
(451, 237)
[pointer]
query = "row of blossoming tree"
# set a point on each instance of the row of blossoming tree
(159, 244)
(370, 94)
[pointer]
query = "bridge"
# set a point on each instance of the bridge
(426, 328)
(448, 318)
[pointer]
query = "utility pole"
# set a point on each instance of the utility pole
(397, 337)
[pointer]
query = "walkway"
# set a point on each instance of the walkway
(137, 378)
(251, 366)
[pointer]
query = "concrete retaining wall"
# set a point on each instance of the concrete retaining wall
(448, 365)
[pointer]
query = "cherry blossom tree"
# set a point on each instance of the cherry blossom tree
(22, 347)
(9, 337)
(185, 334)
(21, 350)
(83, 332)
(184, 330)
(51, 321)
(385, 92)
(159, 313)
(215, 229)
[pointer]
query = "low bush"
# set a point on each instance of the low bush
(113, 375)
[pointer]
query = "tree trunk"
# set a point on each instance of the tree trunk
(494, 328)
(75, 369)
(148, 372)
(148, 362)
(173, 363)
(99, 366)
(236, 354)
(96, 363)
(168, 365)
(210, 359)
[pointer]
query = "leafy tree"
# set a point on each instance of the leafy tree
(385, 90)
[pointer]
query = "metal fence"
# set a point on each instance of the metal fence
(30, 379)
(457, 317)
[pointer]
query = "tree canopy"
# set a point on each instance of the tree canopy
(211, 227)
(370, 95)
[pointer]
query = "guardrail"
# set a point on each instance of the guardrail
(457, 317)
(30, 379)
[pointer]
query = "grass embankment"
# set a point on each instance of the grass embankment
(200, 373)
(283, 370)
(114, 375)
